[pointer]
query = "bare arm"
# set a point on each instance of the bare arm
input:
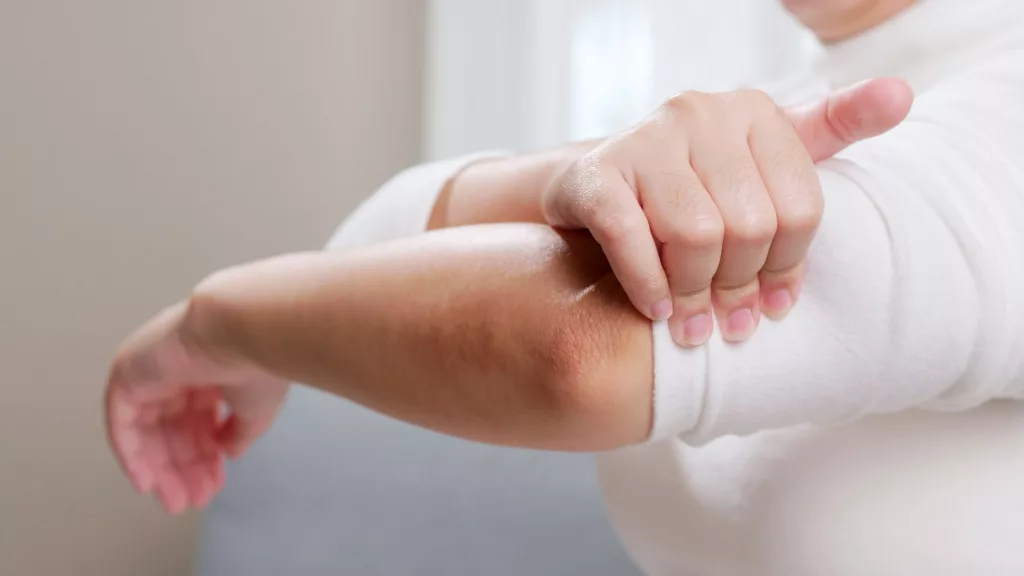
(504, 189)
(508, 334)
(511, 334)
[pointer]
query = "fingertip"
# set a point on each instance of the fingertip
(693, 331)
(197, 483)
(692, 322)
(172, 500)
(142, 479)
(739, 325)
(206, 489)
(650, 298)
(780, 291)
(661, 311)
(873, 107)
(171, 491)
(777, 303)
(645, 285)
(893, 98)
(215, 469)
(738, 312)
(178, 505)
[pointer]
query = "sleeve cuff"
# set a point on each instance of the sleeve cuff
(679, 389)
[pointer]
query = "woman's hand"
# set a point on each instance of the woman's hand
(712, 202)
(164, 405)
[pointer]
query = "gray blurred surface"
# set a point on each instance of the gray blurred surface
(337, 490)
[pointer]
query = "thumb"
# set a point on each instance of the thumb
(862, 111)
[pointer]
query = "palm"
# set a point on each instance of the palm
(165, 418)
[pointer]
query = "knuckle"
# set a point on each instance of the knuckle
(677, 195)
(695, 293)
(694, 287)
(686, 103)
(617, 227)
(759, 100)
(753, 95)
(843, 126)
(583, 177)
(738, 178)
(802, 216)
(752, 226)
(734, 292)
(589, 203)
(702, 232)
(790, 162)
(788, 275)
(649, 286)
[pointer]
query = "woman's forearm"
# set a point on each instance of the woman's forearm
(504, 189)
(507, 334)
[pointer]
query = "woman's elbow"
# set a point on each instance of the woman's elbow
(601, 372)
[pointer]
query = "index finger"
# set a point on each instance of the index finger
(619, 225)
(606, 205)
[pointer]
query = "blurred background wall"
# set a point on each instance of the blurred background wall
(144, 143)
(524, 74)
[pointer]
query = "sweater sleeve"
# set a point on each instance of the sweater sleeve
(402, 206)
(915, 287)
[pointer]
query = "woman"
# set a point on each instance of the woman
(566, 363)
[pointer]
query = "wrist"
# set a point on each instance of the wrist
(207, 328)
(509, 189)
(450, 208)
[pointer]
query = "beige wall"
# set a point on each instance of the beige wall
(142, 144)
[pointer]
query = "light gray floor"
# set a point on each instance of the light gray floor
(337, 490)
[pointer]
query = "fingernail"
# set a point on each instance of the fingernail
(691, 332)
(697, 330)
(662, 310)
(779, 302)
(740, 325)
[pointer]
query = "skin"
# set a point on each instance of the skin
(704, 210)
(837, 20)
(510, 334)
(711, 202)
